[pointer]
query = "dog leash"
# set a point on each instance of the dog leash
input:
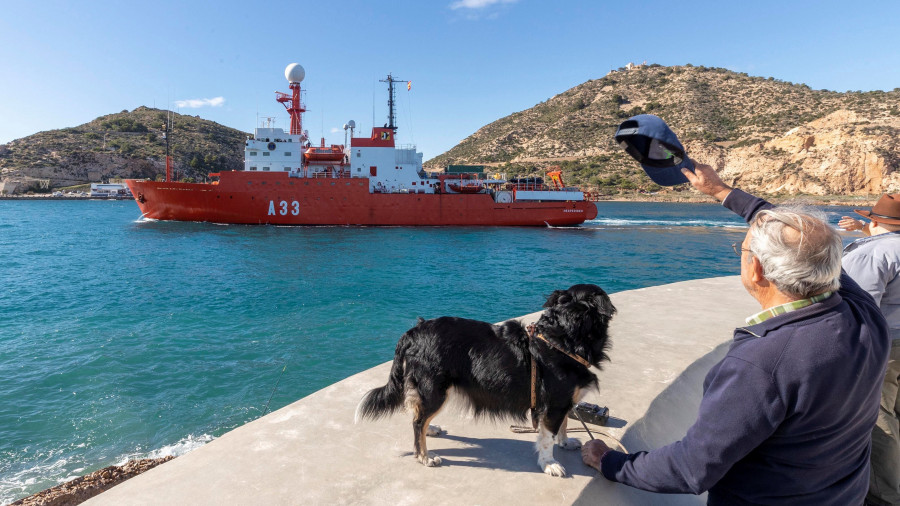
(532, 333)
(521, 429)
(557, 348)
(582, 423)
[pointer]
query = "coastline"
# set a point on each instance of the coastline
(83, 488)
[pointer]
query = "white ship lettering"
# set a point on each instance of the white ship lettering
(283, 208)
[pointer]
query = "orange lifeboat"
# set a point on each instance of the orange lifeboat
(466, 188)
(321, 154)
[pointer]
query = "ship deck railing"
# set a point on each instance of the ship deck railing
(333, 174)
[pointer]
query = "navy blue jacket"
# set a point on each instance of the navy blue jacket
(787, 415)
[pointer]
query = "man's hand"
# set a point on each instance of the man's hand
(705, 179)
(593, 451)
(849, 224)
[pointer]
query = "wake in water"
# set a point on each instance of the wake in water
(663, 222)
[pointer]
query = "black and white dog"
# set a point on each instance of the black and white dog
(489, 366)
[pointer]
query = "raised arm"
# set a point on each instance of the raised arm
(705, 180)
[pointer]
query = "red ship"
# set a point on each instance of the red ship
(287, 181)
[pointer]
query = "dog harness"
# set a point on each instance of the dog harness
(532, 333)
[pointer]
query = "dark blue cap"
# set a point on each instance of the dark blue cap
(651, 142)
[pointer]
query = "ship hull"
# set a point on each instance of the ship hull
(278, 199)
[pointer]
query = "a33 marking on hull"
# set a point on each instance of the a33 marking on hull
(284, 207)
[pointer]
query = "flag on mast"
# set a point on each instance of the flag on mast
(408, 85)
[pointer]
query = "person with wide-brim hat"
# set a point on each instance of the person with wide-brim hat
(885, 212)
(874, 263)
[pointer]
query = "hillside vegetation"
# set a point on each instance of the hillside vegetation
(121, 145)
(771, 136)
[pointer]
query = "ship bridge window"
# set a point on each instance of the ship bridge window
(252, 168)
(265, 153)
(287, 153)
(265, 168)
(253, 153)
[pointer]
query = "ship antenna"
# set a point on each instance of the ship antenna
(391, 116)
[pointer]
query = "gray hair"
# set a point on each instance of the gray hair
(799, 252)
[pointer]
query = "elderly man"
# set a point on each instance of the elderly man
(786, 416)
(874, 263)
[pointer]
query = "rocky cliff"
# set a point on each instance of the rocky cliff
(843, 153)
(765, 135)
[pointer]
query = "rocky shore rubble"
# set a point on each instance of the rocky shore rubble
(81, 489)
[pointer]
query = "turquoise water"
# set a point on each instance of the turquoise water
(122, 338)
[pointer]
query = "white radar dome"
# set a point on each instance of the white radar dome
(294, 73)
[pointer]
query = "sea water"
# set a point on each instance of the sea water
(122, 338)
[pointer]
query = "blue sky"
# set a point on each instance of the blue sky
(470, 61)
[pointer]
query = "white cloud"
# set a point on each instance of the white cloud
(196, 103)
(478, 4)
(335, 130)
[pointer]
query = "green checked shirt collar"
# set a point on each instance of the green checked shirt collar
(786, 308)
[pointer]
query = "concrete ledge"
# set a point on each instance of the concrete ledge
(664, 338)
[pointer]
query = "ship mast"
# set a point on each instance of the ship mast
(294, 73)
(167, 132)
(391, 116)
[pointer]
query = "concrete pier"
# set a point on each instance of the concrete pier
(665, 339)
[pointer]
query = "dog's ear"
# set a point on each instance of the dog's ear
(604, 305)
(558, 297)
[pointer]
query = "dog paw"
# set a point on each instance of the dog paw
(435, 431)
(554, 468)
(570, 443)
(430, 460)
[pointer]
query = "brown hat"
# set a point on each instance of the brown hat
(886, 210)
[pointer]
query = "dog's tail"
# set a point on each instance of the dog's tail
(384, 401)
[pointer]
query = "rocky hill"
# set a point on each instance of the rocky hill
(122, 145)
(765, 135)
